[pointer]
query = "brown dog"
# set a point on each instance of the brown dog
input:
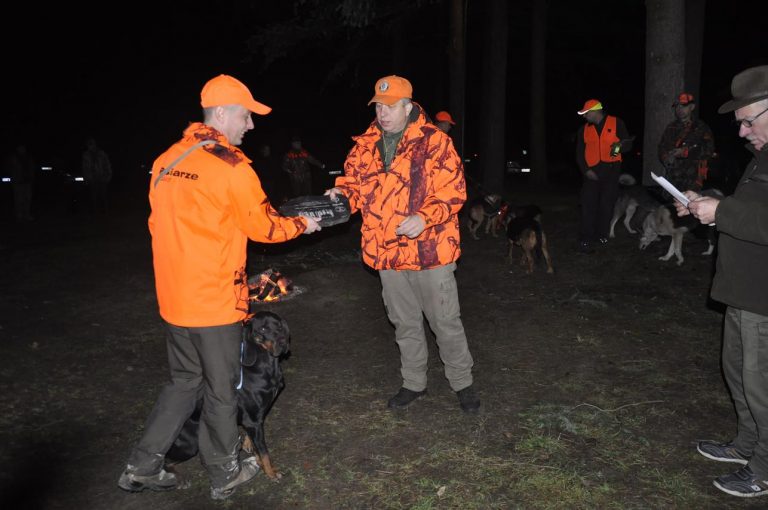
(524, 230)
(490, 208)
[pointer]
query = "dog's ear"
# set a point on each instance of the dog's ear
(271, 332)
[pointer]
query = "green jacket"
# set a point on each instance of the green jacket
(741, 276)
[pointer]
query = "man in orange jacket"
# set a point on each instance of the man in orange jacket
(206, 202)
(406, 179)
(600, 142)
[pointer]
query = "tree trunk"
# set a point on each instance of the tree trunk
(695, 13)
(457, 78)
(538, 93)
(492, 156)
(664, 64)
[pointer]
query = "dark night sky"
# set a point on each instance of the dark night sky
(132, 77)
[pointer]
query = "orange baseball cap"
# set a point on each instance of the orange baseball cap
(444, 117)
(590, 106)
(683, 99)
(224, 90)
(391, 89)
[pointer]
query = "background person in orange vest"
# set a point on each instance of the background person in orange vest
(444, 121)
(600, 143)
(206, 203)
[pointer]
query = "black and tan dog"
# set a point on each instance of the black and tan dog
(524, 230)
(490, 208)
(266, 340)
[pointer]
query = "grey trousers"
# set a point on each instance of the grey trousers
(203, 362)
(431, 292)
(745, 365)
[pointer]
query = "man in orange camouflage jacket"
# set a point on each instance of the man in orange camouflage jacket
(206, 203)
(404, 176)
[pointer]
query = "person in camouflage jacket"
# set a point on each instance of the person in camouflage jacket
(406, 179)
(686, 146)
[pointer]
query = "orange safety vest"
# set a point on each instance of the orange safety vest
(597, 148)
(426, 177)
(204, 210)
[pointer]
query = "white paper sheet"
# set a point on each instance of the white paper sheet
(664, 183)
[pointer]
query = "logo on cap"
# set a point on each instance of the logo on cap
(390, 89)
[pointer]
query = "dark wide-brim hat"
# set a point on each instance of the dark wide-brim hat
(747, 87)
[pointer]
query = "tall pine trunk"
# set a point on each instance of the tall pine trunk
(538, 93)
(457, 78)
(664, 74)
(695, 13)
(492, 156)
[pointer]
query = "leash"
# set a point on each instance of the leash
(242, 350)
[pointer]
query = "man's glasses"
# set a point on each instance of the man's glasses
(747, 123)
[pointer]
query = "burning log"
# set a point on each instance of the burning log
(269, 286)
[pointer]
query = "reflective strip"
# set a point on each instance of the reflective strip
(240, 384)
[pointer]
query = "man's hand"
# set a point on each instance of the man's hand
(678, 152)
(333, 193)
(704, 209)
(683, 210)
(312, 225)
(411, 227)
(591, 175)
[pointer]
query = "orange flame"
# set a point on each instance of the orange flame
(268, 286)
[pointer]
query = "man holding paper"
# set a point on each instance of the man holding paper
(741, 283)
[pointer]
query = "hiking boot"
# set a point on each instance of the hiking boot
(743, 483)
(724, 452)
(404, 398)
(468, 400)
(248, 470)
(161, 481)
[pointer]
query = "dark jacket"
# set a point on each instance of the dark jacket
(698, 145)
(741, 277)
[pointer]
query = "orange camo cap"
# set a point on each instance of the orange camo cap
(224, 90)
(684, 99)
(590, 106)
(444, 117)
(391, 89)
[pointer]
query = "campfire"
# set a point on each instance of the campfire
(271, 286)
